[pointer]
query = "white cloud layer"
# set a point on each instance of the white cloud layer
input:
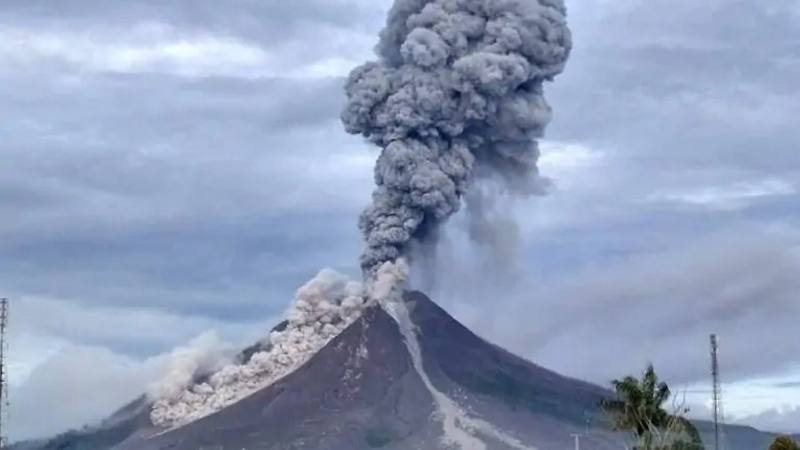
(145, 48)
(154, 47)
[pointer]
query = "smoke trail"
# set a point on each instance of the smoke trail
(456, 93)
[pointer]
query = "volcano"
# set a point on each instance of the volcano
(363, 391)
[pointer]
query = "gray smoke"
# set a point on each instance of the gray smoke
(491, 226)
(456, 95)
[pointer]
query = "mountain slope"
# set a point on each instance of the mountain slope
(478, 366)
(361, 391)
(357, 392)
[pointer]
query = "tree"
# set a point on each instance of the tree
(784, 442)
(638, 407)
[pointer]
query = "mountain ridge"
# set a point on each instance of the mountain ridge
(360, 392)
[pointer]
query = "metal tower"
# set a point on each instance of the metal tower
(3, 373)
(716, 394)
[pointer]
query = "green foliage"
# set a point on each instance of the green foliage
(638, 403)
(690, 432)
(684, 445)
(784, 442)
(638, 407)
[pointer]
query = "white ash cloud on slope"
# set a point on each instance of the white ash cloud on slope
(455, 97)
(321, 309)
(204, 354)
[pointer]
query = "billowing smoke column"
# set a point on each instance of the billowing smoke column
(457, 94)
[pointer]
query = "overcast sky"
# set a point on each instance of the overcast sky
(171, 167)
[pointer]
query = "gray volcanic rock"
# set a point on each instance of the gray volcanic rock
(361, 392)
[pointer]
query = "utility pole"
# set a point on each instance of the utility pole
(3, 373)
(588, 420)
(577, 437)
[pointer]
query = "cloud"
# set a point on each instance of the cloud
(777, 420)
(711, 90)
(610, 319)
(63, 321)
(733, 197)
(150, 50)
(78, 385)
(248, 40)
(209, 177)
(159, 48)
(73, 368)
(262, 21)
(158, 192)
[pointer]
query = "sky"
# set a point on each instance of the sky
(169, 168)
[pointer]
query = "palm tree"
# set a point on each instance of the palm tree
(784, 442)
(638, 407)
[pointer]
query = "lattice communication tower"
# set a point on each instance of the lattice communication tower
(3, 373)
(716, 395)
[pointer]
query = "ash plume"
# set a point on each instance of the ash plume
(204, 354)
(492, 228)
(455, 96)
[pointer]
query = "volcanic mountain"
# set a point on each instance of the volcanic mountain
(363, 391)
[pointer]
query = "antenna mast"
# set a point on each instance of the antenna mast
(3, 373)
(716, 394)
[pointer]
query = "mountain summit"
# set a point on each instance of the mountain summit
(361, 391)
(365, 390)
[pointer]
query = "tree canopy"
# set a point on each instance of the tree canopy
(784, 442)
(638, 407)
